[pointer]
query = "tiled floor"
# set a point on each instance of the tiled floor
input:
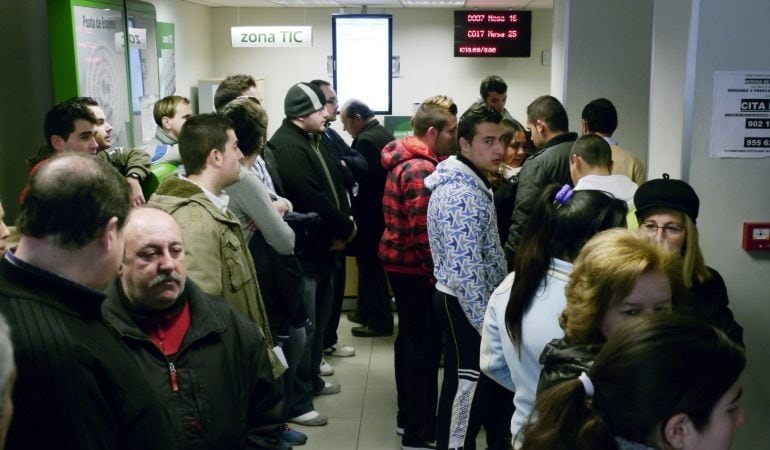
(363, 415)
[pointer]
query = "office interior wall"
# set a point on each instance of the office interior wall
(667, 81)
(733, 191)
(606, 49)
(423, 38)
(193, 42)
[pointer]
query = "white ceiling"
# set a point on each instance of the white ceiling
(454, 4)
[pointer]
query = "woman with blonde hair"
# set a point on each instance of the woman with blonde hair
(667, 211)
(618, 275)
(653, 386)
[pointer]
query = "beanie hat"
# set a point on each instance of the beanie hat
(669, 194)
(303, 99)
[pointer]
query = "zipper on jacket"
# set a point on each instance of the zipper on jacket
(172, 373)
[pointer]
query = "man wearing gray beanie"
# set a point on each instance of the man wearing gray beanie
(312, 183)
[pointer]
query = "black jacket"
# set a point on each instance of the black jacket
(563, 361)
(547, 166)
(367, 205)
(709, 302)
(306, 185)
(227, 397)
(77, 386)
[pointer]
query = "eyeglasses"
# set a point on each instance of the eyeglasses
(668, 229)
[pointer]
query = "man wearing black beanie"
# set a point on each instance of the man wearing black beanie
(312, 183)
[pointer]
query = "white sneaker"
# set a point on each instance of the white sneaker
(340, 350)
(325, 369)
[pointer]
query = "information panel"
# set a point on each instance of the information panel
(493, 33)
(740, 125)
(362, 53)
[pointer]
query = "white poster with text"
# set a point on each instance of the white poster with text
(740, 124)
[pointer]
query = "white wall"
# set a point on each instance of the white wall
(193, 44)
(605, 48)
(733, 191)
(422, 38)
(667, 84)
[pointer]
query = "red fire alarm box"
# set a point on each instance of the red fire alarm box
(756, 236)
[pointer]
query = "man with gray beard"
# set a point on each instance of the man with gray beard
(205, 362)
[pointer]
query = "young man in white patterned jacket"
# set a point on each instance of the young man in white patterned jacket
(468, 264)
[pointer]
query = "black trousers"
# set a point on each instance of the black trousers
(469, 399)
(330, 334)
(373, 306)
(417, 353)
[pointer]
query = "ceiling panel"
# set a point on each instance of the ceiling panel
(452, 4)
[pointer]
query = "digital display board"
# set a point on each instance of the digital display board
(500, 34)
(363, 53)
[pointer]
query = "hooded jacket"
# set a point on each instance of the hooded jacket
(404, 245)
(468, 260)
(563, 361)
(217, 255)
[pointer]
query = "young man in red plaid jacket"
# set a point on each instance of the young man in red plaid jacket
(405, 253)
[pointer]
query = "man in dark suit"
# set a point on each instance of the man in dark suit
(369, 137)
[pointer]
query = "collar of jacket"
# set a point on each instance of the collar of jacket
(163, 137)
(475, 170)
(187, 192)
(369, 125)
(313, 138)
(57, 291)
(560, 139)
(204, 320)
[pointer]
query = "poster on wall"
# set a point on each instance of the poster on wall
(740, 125)
(166, 62)
(102, 65)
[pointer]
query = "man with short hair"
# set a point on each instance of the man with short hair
(494, 93)
(405, 253)
(205, 362)
(373, 309)
(133, 163)
(78, 386)
(548, 123)
(234, 86)
(311, 183)
(351, 169)
(600, 117)
(468, 265)
(170, 113)
(80, 125)
(68, 126)
(590, 166)
(217, 255)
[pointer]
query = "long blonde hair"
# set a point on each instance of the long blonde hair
(693, 265)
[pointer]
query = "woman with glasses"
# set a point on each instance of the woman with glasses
(667, 210)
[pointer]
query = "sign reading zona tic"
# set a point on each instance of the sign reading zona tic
(274, 36)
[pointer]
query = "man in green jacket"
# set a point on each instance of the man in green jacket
(217, 255)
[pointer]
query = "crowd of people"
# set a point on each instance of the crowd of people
(186, 293)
